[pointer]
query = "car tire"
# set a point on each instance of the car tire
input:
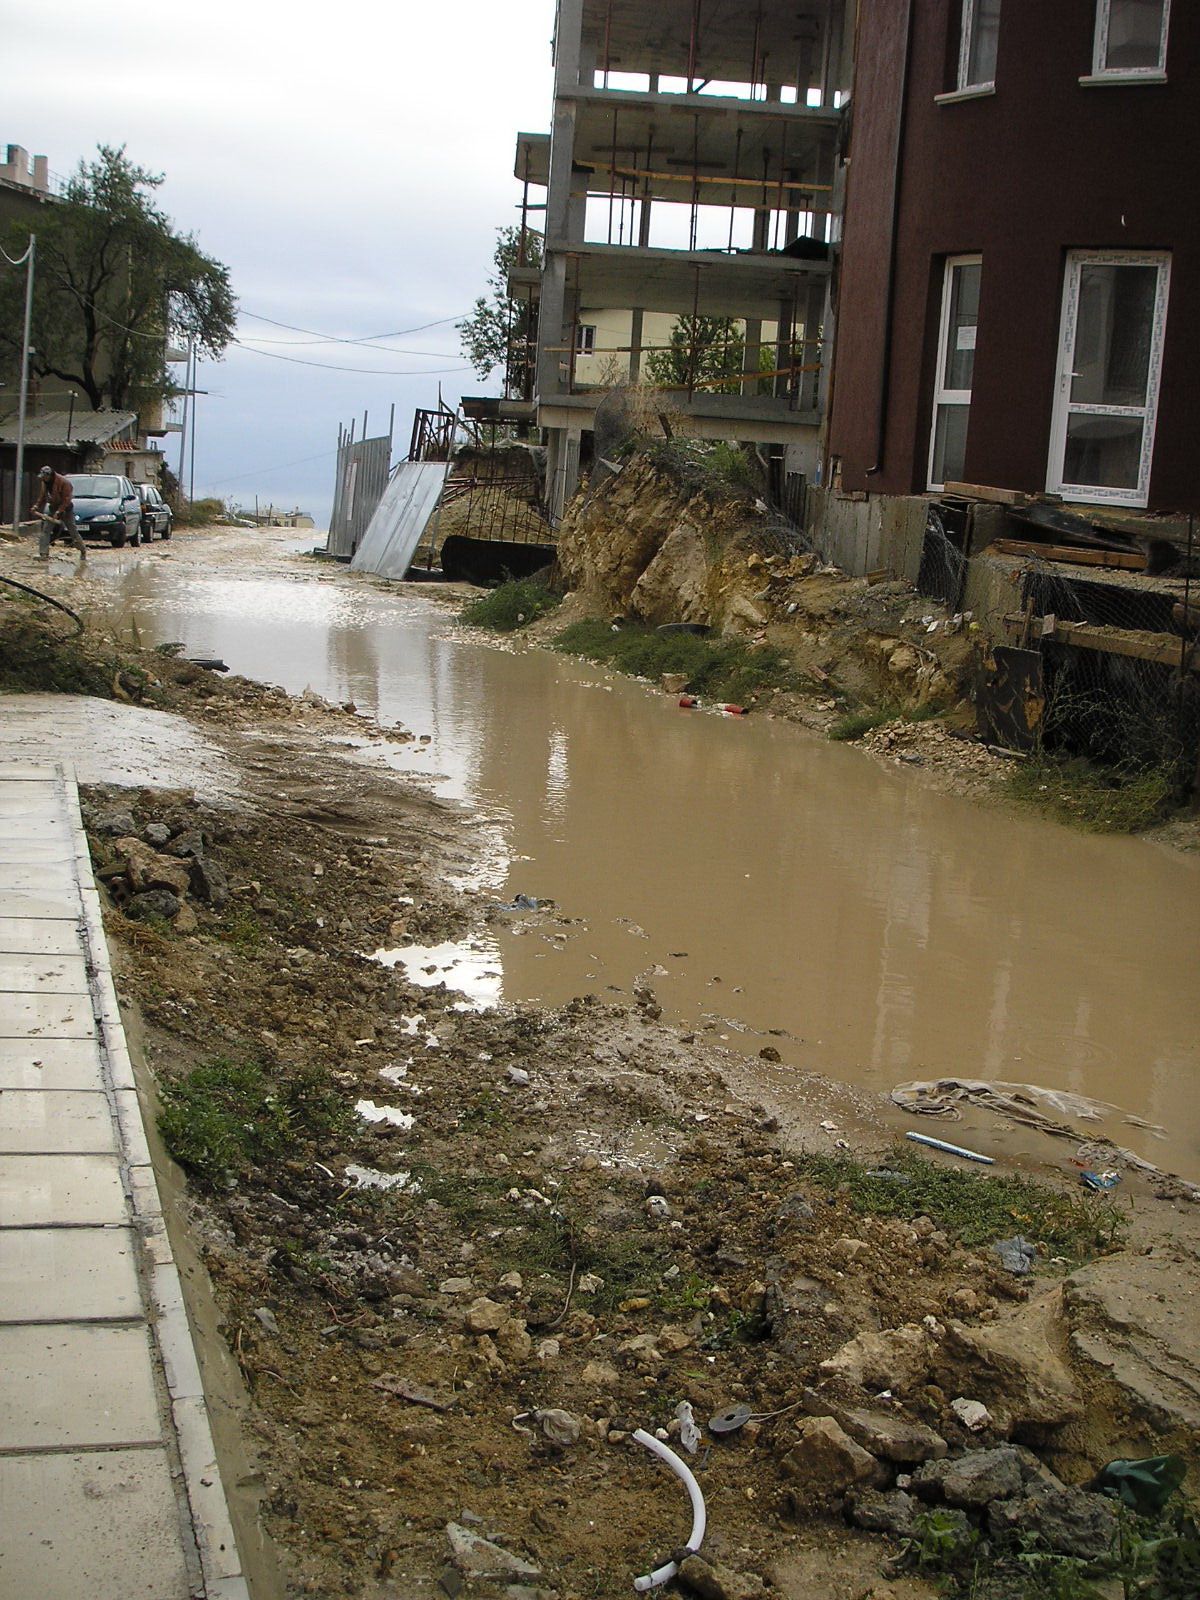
(117, 538)
(166, 533)
(147, 531)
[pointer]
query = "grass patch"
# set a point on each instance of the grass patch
(859, 723)
(975, 1210)
(1096, 799)
(200, 513)
(228, 1117)
(721, 669)
(511, 606)
(715, 467)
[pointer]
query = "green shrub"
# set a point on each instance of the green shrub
(200, 513)
(513, 605)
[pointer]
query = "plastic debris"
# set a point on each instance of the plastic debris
(1102, 1182)
(730, 1420)
(683, 1472)
(687, 701)
(1016, 1255)
(689, 1433)
(1144, 1485)
(950, 1149)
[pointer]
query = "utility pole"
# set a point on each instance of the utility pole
(25, 354)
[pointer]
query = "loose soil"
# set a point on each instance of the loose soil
(588, 1211)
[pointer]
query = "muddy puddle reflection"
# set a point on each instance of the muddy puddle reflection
(773, 888)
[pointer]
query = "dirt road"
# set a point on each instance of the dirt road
(460, 1256)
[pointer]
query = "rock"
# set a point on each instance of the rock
(113, 823)
(190, 843)
(898, 1359)
(673, 682)
(476, 1557)
(513, 1340)
(972, 1480)
(714, 1581)
(485, 1316)
(903, 660)
(672, 1338)
(455, 1286)
(267, 1317)
(185, 921)
(517, 1076)
(892, 1435)
(154, 903)
(148, 870)
(407, 1280)
(827, 1459)
(891, 1511)
(971, 1413)
(601, 1375)
(548, 1350)
(156, 834)
(1013, 1366)
(658, 1207)
(795, 1209)
(209, 882)
(1071, 1521)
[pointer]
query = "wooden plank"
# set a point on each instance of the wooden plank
(1128, 561)
(1162, 648)
(983, 491)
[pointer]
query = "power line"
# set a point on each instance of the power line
(332, 338)
(282, 466)
(370, 372)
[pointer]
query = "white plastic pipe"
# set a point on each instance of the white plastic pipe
(951, 1149)
(683, 1472)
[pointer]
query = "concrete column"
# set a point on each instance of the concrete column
(564, 217)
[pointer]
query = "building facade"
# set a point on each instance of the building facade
(1019, 293)
(689, 176)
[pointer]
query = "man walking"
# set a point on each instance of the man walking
(58, 499)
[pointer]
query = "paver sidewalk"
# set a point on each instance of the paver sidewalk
(109, 1486)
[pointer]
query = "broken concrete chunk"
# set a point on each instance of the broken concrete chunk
(154, 903)
(892, 1435)
(477, 1557)
(209, 882)
(882, 1511)
(827, 1459)
(972, 1480)
(1071, 1521)
(713, 1581)
(898, 1359)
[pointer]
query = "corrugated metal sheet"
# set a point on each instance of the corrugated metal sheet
(63, 429)
(362, 476)
(400, 519)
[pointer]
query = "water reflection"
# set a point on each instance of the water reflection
(887, 932)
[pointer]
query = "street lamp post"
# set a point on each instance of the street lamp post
(25, 354)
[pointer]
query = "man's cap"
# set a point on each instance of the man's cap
(46, 472)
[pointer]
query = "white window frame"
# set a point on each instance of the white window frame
(966, 85)
(941, 395)
(585, 338)
(1065, 407)
(1101, 73)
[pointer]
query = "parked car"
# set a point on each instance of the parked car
(157, 515)
(106, 507)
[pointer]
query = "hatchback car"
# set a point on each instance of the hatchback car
(157, 515)
(106, 507)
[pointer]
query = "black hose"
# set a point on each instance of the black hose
(50, 601)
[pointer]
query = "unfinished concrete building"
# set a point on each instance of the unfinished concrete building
(689, 181)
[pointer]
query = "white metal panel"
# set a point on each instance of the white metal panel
(394, 532)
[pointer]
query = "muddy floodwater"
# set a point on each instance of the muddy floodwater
(768, 885)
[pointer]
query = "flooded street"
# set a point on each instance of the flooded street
(770, 886)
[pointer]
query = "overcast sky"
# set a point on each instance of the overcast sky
(349, 164)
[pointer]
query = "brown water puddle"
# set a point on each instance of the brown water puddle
(768, 885)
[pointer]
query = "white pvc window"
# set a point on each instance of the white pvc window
(1131, 38)
(1110, 355)
(585, 339)
(977, 44)
(955, 370)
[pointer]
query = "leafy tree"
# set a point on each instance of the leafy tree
(704, 353)
(114, 283)
(500, 329)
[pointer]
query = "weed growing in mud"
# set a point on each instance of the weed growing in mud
(513, 605)
(722, 669)
(975, 1209)
(1097, 799)
(227, 1117)
(859, 723)
(33, 658)
(1152, 1558)
(718, 468)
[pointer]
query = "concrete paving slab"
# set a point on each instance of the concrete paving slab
(50, 1064)
(46, 1016)
(76, 1387)
(36, 1191)
(41, 877)
(41, 935)
(68, 1275)
(32, 849)
(55, 1122)
(32, 901)
(33, 772)
(38, 974)
(100, 1524)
